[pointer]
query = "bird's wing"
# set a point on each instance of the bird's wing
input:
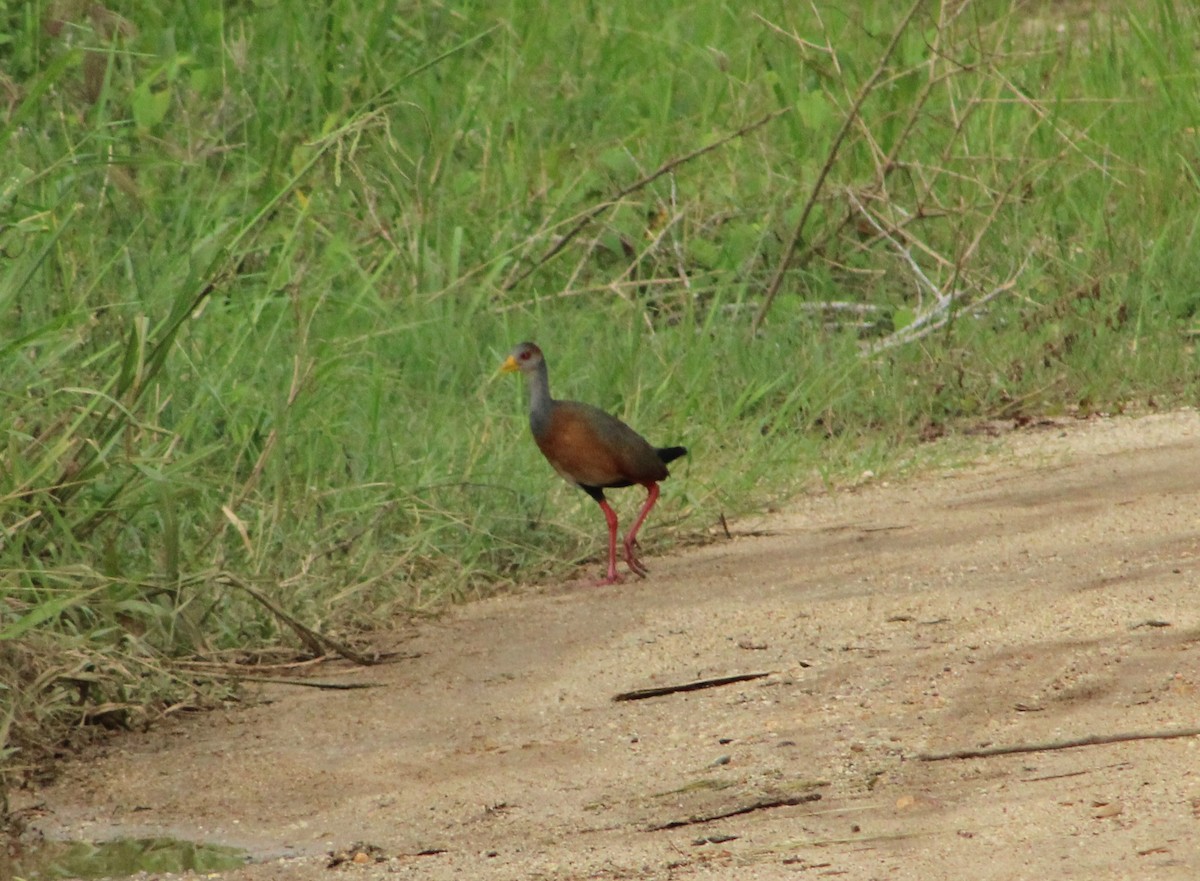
(592, 448)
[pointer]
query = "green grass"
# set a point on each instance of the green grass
(259, 269)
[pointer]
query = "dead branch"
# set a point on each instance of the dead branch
(938, 314)
(937, 317)
(1046, 746)
(762, 804)
(922, 278)
(303, 683)
(643, 693)
(314, 641)
(842, 306)
(667, 167)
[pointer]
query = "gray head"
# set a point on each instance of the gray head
(526, 357)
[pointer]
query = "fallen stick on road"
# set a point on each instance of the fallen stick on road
(303, 683)
(1091, 740)
(762, 804)
(643, 693)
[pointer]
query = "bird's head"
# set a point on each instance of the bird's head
(525, 357)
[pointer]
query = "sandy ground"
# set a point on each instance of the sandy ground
(1049, 592)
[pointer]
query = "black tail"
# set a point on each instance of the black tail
(670, 454)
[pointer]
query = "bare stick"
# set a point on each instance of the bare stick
(926, 323)
(842, 306)
(763, 804)
(314, 641)
(303, 683)
(851, 118)
(937, 315)
(900, 249)
(643, 693)
(1090, 740)
(667, 167)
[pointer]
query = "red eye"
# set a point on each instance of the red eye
(524, 356)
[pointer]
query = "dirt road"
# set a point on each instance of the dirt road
(1051, 592)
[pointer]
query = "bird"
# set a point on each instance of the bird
(593, 450)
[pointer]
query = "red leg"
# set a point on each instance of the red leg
(611, 517)
(631, 539)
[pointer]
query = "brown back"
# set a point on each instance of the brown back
(593, 448)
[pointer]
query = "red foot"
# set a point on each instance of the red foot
(635, 565)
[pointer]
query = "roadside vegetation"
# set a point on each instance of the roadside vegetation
(258, 270)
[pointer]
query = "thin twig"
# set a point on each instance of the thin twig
(851, 117)
(643, 693)
(762, 804)
(667, 167)
(841, 306)
(314, 641)
(1069, 139)
(900, 249)
(926, 324)
(305, 683)
(1090, 740)
(938, 314)
(629, 277)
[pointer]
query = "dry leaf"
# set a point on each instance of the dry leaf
(1105, 811)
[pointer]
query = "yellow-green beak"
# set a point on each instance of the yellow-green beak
(509, 365)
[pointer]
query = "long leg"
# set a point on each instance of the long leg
(631, 539)
(610, 517)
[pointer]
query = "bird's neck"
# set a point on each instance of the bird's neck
(540, 401)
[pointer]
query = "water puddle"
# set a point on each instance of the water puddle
(119, 858)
